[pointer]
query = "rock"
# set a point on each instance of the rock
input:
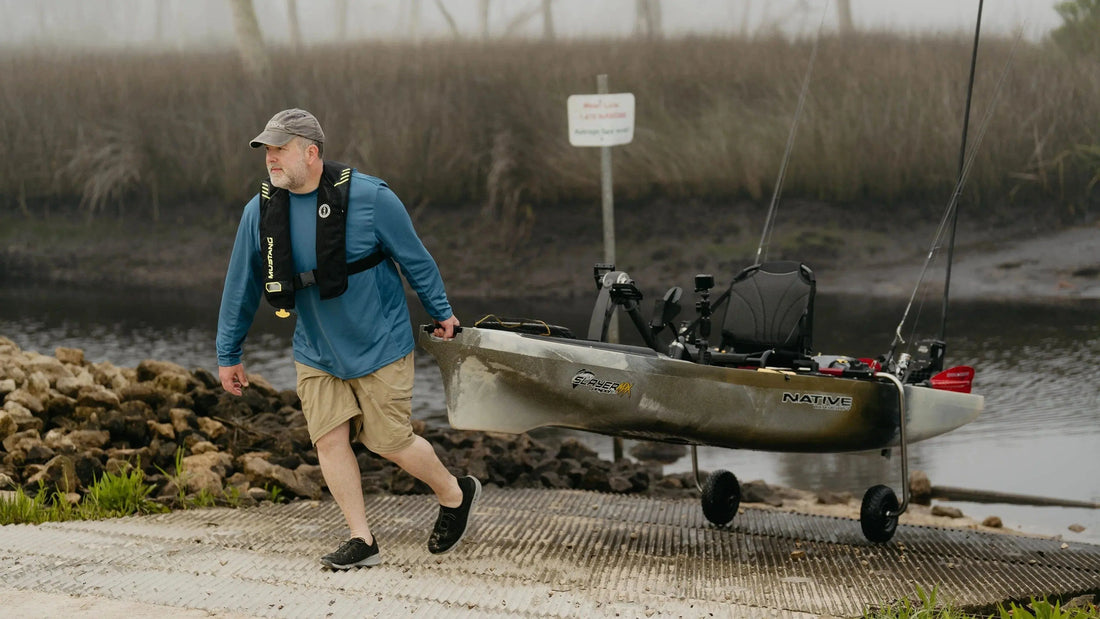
(49, 367)
(262, 473)
(25, 399)
(653, 451)
(576, 450)
(150, 369)
(6, 482)
(1082, 602)
(206, 471)
(1076, 528)
(7, 385)
(948, 512)
(757, 491)
(920, 488)
(143, 392)
(826, 497)
(97, 396)
(72, 356)
(182, 419)
(163, 430)
(175, 383)
(21, 439)
(993, 522)
(59, 473)
(8, 425)
(202, 447)
(84, 440)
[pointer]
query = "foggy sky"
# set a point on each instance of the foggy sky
(176, 24)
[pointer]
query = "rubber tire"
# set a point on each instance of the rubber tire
(721, 497)
(877, 526)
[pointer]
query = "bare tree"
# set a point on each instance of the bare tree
(483, 18)
(450, 18)
(292, 21)
(250, 42)
(844, 16)
(522, 18)
(547, 20)
(647, 18)
(341, 15)
(412, 29)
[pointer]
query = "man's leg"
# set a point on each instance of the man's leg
(456, 496)
(420, 461)
(341, 472)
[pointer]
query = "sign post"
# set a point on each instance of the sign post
(604, 120)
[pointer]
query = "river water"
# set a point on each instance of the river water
(1036, 366)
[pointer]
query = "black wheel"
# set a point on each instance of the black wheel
(877, 525)
(721, 496)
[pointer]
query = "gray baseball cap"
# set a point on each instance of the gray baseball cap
(285, 125)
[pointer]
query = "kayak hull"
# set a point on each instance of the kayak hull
(501, 381)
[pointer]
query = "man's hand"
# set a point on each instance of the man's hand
(233, 378)
(446, 328)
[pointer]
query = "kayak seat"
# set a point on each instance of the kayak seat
(770, 308)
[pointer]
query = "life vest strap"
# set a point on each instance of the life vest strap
(309, 278)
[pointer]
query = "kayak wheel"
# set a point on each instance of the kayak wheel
(721, 497)
(877, 525)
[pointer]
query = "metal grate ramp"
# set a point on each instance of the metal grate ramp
(536, 553)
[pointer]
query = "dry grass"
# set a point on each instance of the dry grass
(461, 123)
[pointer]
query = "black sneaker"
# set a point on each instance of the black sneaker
(352, 553)
(450, 525)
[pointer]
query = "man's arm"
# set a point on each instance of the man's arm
(240, 295)
(395, 231)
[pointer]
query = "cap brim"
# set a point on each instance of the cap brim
(271, 138)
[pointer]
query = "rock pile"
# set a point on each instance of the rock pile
(66, 421)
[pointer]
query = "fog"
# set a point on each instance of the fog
(182, 24)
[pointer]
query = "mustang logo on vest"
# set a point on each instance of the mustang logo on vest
(331, 274)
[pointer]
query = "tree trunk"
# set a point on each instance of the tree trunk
(413, 26)
(250, 42)
(292, 21)
(647, 19)
(483, 18)
(844, 16)
(547, 20)
(450, 19)
(342, 20)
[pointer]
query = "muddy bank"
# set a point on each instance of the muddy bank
(871, 250)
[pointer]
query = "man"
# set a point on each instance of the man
(326, 240)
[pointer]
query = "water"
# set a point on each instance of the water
(1039, 434)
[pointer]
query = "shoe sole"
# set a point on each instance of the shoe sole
(477, 495)
(368, 562)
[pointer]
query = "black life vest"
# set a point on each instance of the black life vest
(331, 274)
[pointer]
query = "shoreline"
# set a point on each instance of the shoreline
(1025, 259)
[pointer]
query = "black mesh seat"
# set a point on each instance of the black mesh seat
(770, 307)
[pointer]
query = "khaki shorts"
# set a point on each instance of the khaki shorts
(378, 405)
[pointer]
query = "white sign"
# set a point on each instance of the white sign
(601, 120)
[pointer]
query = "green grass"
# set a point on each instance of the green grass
(112, 496)
(927, 606)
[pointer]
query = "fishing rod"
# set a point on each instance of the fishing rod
(953, 202)
(962, 156)
(769, 221)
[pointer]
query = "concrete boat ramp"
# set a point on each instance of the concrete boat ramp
(529, 553)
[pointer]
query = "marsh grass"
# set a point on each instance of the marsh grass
(455, 123)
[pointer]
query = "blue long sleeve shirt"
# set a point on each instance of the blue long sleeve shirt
(361, 330)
